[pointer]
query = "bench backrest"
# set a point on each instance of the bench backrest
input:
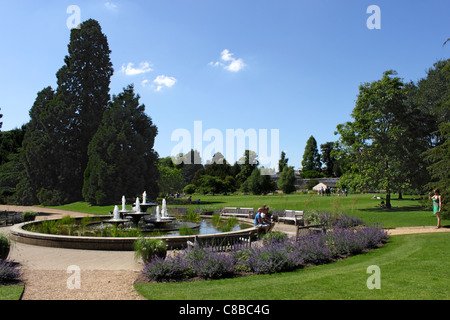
(237, 210)
(292, 213)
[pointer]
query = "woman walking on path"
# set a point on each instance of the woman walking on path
(437, 205)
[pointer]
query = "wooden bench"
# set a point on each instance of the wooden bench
(238, 212)
(291, 215)
(226, 242)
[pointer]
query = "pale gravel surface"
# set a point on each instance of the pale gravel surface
(104, 275)
(94, 285)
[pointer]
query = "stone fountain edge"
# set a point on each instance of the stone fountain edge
(18, 234)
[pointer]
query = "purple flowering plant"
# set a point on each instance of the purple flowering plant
(346, 236)
(10, 272)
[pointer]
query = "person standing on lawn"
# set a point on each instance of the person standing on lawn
(437, 205)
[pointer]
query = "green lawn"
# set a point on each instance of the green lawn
(11, 292)
(85, 208)
(411, 267)
(404, 213)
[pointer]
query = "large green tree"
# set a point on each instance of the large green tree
(331, 167)
(83, 83)
(381, 137)
(122, 160)
(311, 156)
(49, 152)
(286, 183)
(433, 98)
(247, 163)
(439, 157)
(170, 178)
(283, 162)
(10, 164)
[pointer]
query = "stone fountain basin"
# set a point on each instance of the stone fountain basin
(19, 234)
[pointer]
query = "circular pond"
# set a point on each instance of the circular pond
(82, 233)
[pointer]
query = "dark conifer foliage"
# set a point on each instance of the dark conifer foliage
(121, 156)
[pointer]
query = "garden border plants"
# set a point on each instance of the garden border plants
(272, 255)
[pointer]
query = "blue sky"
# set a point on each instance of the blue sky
(293, 65)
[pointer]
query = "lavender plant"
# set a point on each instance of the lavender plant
(171, 268)
(276, 254)
(10, 272)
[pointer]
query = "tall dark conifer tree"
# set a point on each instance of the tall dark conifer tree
(64, 121)
(311, 156)
(121, 156)
(84, 83)
(49, 153)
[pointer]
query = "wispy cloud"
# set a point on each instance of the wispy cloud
(228, 62)
(160, 82)
(130, 70)
(110, 5)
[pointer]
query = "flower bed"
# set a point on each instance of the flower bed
(275, 254)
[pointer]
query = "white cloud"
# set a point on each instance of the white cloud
(110, 5)
(164, 81)
(236, 65)
(129, 70)
(226, 55)
(231, 63)
(160, 82)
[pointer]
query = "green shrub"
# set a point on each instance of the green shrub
(193, 215)
(49, 227)
(5, 246)
(189, 189)
(29, 216)
(147, 249)
(311, 218)
(274, 236)
(50, 197)
(186, 231)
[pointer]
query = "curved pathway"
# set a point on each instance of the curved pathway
(101, 275)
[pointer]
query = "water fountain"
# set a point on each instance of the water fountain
(161, 219)
(136, 214)
(144, 205)
(117, 217)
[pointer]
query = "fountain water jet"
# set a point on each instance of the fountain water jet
(117, 219)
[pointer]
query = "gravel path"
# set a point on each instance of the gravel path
(93, 285)
(103, 275)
